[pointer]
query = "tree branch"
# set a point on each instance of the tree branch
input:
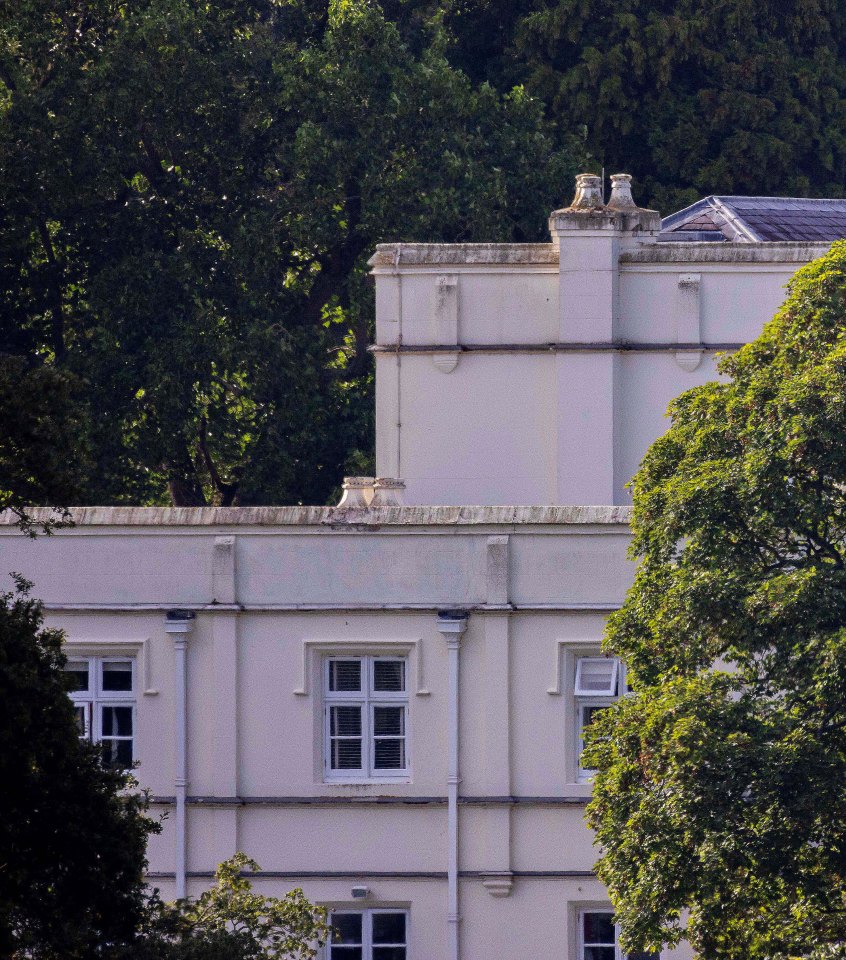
(54, 288)
(226, 491)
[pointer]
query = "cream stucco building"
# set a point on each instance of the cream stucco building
(383, 703)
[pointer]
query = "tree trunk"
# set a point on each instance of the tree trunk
(183, 484)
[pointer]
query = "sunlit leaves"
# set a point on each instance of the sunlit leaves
(212, 179)
(719, 801)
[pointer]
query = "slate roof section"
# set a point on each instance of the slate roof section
(757, 219)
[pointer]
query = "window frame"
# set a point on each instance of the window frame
(613, 686)
(618, 953)
(367, 914)
(94, 698)
(581, 701)
(366, 698)
(582, 943)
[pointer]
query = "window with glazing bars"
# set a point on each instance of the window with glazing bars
(368, 935)
(598, 683)
(365, 718)
(599, 938)
(103, 695)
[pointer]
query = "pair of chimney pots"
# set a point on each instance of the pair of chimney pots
(589, 193)
(360, 493)
(588, 211)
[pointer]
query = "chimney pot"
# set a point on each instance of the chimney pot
(388, 492)
(358, 492)
(588, 192)
(621, 193)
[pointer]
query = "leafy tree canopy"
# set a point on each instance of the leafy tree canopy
(72, 839)
(42, 455)
(720, 785)
(693, 97)
(230, 920)
(188, 197)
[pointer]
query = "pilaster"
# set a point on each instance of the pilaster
(224, 627)
(496, 746)
(590, 236)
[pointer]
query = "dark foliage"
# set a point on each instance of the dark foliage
(72, 836)
(719, 803)
(188, 198)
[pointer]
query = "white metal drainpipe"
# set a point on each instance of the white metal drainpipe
(398, 275)
(180, 623)
(452, 625)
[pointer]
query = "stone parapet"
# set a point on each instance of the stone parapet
(406, 516)
(481, 254)
(782, 252)
(428, 254)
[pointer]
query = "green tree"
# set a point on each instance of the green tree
(72, 836)
(720, 784)
(188, 197)
(230, 920)
(42, 446)
(692, 97)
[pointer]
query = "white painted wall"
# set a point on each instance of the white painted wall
(291, 584)
(541, 373)
(534, 374)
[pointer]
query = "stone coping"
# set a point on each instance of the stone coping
(408, 516)
(793, 251)
(413, 254)
(504, 254)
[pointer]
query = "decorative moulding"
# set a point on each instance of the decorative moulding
(497, 571)
(445, 321)
(359, 648)
(140, 649)
(560, 645)
(688, 321)
(446, 362)
(223, 570)
(688, 359)
(498, 884)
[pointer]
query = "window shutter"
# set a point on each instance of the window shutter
(596, 677)
(344, 676)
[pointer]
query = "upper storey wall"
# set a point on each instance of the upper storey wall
(498, 299)
(313, 558)
(540, 373)
(734, 288)
(475, 300)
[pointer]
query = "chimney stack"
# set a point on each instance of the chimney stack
(591, 236)
(589, 214)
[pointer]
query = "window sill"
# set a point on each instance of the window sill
(579, 788)
(384, 782)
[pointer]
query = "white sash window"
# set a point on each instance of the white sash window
(598, 683)
(103, 696)
(599, 938)
(368, 935)
(365, 718)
